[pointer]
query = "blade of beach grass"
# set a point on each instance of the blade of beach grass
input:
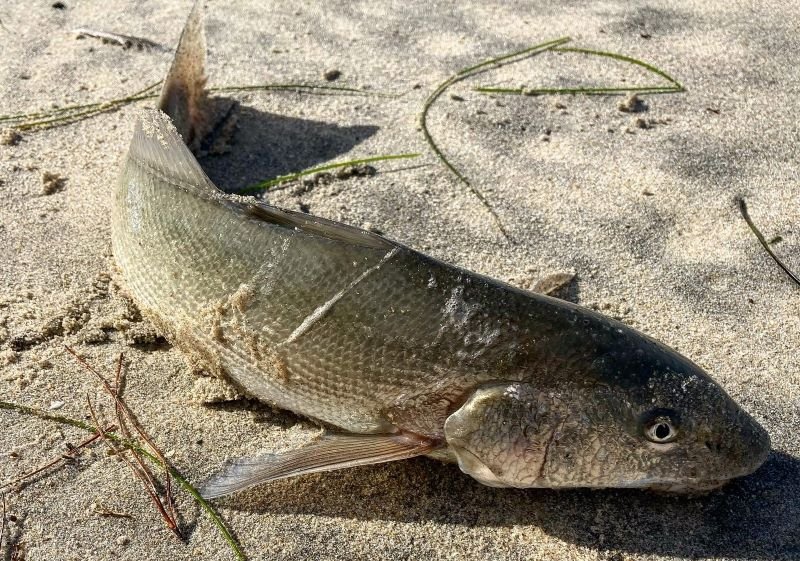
(760, 237)
(300, 88)
(674, 87)
(71, 113)
(462, 75)
(2, 521)
(177, 476)
(578, 91)
(269, 183)
(623, 58)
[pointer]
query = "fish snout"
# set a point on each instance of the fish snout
(744, 448)
(756, 443)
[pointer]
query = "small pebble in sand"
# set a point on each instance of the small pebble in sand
(55, 405)
(456, 97)
(93, 336)
(640, 123)
(141, 334)
(332, 74)
(59, 5)
(51, 183)
(360, 170)
(560, 105)
(553, 284)
(8, 357)
(369, 226)
(10, 137)
(123, 540)
(631, 104)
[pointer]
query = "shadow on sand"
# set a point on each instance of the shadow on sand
(757, 517)
(266, 145)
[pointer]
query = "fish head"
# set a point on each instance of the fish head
(656, 423)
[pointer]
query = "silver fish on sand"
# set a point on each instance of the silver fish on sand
(397, 353)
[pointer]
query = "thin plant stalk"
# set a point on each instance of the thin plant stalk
(675, 86)
(296, 87)
(176, 475)
(623, 58)
(123, 412)
(3, 521)
(70, 113)
(462, 75)
(139, 471)
(263, 185)
(62, 458)
(763, 241)
(64, 115)
(579, 91)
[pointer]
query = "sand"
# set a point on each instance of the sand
(644, 217)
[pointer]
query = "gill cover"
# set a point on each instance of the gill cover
(502, 434)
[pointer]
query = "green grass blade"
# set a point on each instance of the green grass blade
(141, 94)
(182, 481)
(65, 115)
(263, 185)
(461, 75)
(764, 243)
(623, 58)
(300, 88)
(675, 87)
(580, 91)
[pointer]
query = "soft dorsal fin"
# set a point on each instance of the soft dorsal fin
(183, 95)
(319, 226)
(159, 150)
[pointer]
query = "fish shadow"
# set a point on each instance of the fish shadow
(265, 145)
(756, 517)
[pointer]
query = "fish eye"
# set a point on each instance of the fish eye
(660, 431)
(660, 428)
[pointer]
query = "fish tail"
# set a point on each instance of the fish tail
(183, 95)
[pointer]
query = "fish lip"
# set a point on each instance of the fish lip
(690, 485)
(674, 485)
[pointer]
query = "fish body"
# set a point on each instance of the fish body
(404, 355)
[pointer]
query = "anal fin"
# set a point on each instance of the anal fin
(330, 453)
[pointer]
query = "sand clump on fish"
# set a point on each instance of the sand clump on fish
(396, 353)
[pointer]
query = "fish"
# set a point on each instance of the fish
(398, 354)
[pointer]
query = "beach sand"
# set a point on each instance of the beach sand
(645, 217)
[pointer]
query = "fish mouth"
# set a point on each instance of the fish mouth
(688, 488)
(674, 486)
(683, 486)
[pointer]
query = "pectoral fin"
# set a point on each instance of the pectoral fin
(327, 454)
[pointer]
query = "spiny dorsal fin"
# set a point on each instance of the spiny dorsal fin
(183, 95)
(330, 453)
(159, 150)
